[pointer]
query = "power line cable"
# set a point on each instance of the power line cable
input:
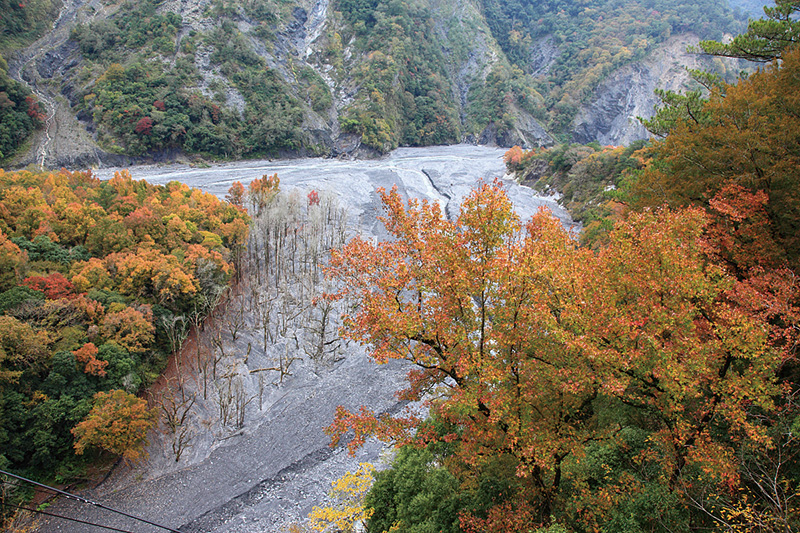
(90, 502)
(65, 517)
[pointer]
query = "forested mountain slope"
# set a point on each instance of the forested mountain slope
(249, 78)
(98, 282)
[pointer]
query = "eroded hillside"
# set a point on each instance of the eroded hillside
(248, 78)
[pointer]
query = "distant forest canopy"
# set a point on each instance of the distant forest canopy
(597, 183)
(394, 73)
(753, 8)
(99, 281)
(24, 21)
(590, 40)
(20, 113)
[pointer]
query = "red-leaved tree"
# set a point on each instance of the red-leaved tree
(54, 286)
(144, 126)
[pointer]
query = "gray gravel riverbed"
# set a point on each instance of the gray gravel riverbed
(270, 473)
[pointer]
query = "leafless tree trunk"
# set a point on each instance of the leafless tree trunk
(284, 365)
(175, 404)
(325, 345)
(176, 327)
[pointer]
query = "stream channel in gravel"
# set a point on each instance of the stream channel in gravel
(269, 473)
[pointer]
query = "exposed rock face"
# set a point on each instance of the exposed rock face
(530, 131)
(610, 117)
(543, 54)
(526, 133)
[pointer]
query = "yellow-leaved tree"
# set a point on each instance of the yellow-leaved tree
(348, 509)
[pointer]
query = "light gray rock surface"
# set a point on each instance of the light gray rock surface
(610, 117)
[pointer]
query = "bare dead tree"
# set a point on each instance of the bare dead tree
(218, 353)
(264, 313)
(325, 345)
(235, 317)
(182, 441)
(240, 403)
(283, 367)
(261, 384)
(204, 359)
(247, 353)
(175, 404)
(232, 398)
(295, 240)
(177, 329)
(224, 399)
(205, 352)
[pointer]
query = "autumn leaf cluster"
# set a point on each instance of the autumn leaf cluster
(94, 278)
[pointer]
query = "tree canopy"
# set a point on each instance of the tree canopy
(766, 39)
(95, 276)
(746, 144)
(532, 350)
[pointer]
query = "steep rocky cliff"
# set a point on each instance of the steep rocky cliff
(610, 116)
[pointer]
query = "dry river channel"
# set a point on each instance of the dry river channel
(270, 473)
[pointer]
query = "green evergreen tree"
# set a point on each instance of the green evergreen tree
(765, 39)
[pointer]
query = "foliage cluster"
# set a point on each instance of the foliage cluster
(497, 100)
(23, 21)
(765, 38)
(753, 8)
(743, 144)
(272, 116)
(135, 28)
(348, 493)
(648, 384)
(97, 282)
(588, 177)
(404, 96)
(611, 390)
(145, 94)
(589, 41)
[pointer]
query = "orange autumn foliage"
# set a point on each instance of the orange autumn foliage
(12, 259)
(262, 190)
(747, 145)
(90, 274)
(236, 194)
(112, 250)
(118, 423)
(517, 336)
(513, 157)
(130, 328)
(87, 355)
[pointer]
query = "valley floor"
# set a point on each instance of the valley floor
(270, 473)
